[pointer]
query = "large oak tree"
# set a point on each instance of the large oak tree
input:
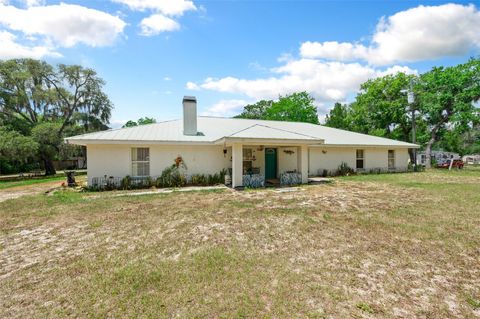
(446, 100)
(43, 101)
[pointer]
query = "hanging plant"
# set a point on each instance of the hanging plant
(179, 162)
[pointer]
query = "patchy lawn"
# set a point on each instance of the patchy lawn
(400, 245)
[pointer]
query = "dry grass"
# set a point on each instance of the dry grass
(402, 245)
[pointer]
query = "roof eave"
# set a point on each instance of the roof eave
(136, 142)
(371, 145)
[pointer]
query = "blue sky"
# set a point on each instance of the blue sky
(228, 53)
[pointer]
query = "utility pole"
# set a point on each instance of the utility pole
(411, 102)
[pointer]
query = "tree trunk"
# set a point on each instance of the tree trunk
(433, 139)
(49, 168)
(428, 151)
(412, 158)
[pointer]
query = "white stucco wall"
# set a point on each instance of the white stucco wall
(330, 158)
(115, 160)
(287, 162)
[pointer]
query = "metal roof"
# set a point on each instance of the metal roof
(213, 129)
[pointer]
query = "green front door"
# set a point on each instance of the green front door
(270, 163)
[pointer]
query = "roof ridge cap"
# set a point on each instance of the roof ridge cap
(244, 129)
(280, 129)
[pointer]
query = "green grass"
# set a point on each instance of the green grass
(475, 303)
(362, 246)
(365, 307)
(27, 182)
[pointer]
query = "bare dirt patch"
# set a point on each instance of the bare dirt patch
(355, 248)
(35, 189)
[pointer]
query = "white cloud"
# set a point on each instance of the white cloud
(161, 20)
(421, 33)
(192, 86)
(225, 108)
(10, 49)
(167, 78)
(328, 82)
(65, 24)
(397, 69)
(157, 23)
(333, 50)
(166, 7)
(32, 3)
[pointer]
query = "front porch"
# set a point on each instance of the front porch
(259, 165)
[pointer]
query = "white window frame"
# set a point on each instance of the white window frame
(135, 161)
(362, 158)
(247, 156)
(391, 159)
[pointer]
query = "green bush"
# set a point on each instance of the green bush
(344, 170)
(126, 182)
(198, 180)
(208, 179)
(415, 168)
(172, 176)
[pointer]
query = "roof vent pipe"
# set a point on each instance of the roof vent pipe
(189, 115)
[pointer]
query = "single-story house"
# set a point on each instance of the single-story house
(207, 145)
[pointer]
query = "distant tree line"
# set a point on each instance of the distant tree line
(141, 121)
(296, 107)
(446, 114)
(40, 105)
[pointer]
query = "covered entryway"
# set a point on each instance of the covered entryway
(269, 164)
(261, 152)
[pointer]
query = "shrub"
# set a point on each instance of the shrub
(344, 170)
(126, 182)
(415, 168)
(198, 180)
(208, 179)
(171, 176)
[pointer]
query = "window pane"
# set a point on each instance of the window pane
(360, 163)
(359, 154)
(140, 154)
(247, 167)
(391, 163)
(140, 161)
(247, 153)
(391, 159)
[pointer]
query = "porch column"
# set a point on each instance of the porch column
(237, 165)
(303, 162)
